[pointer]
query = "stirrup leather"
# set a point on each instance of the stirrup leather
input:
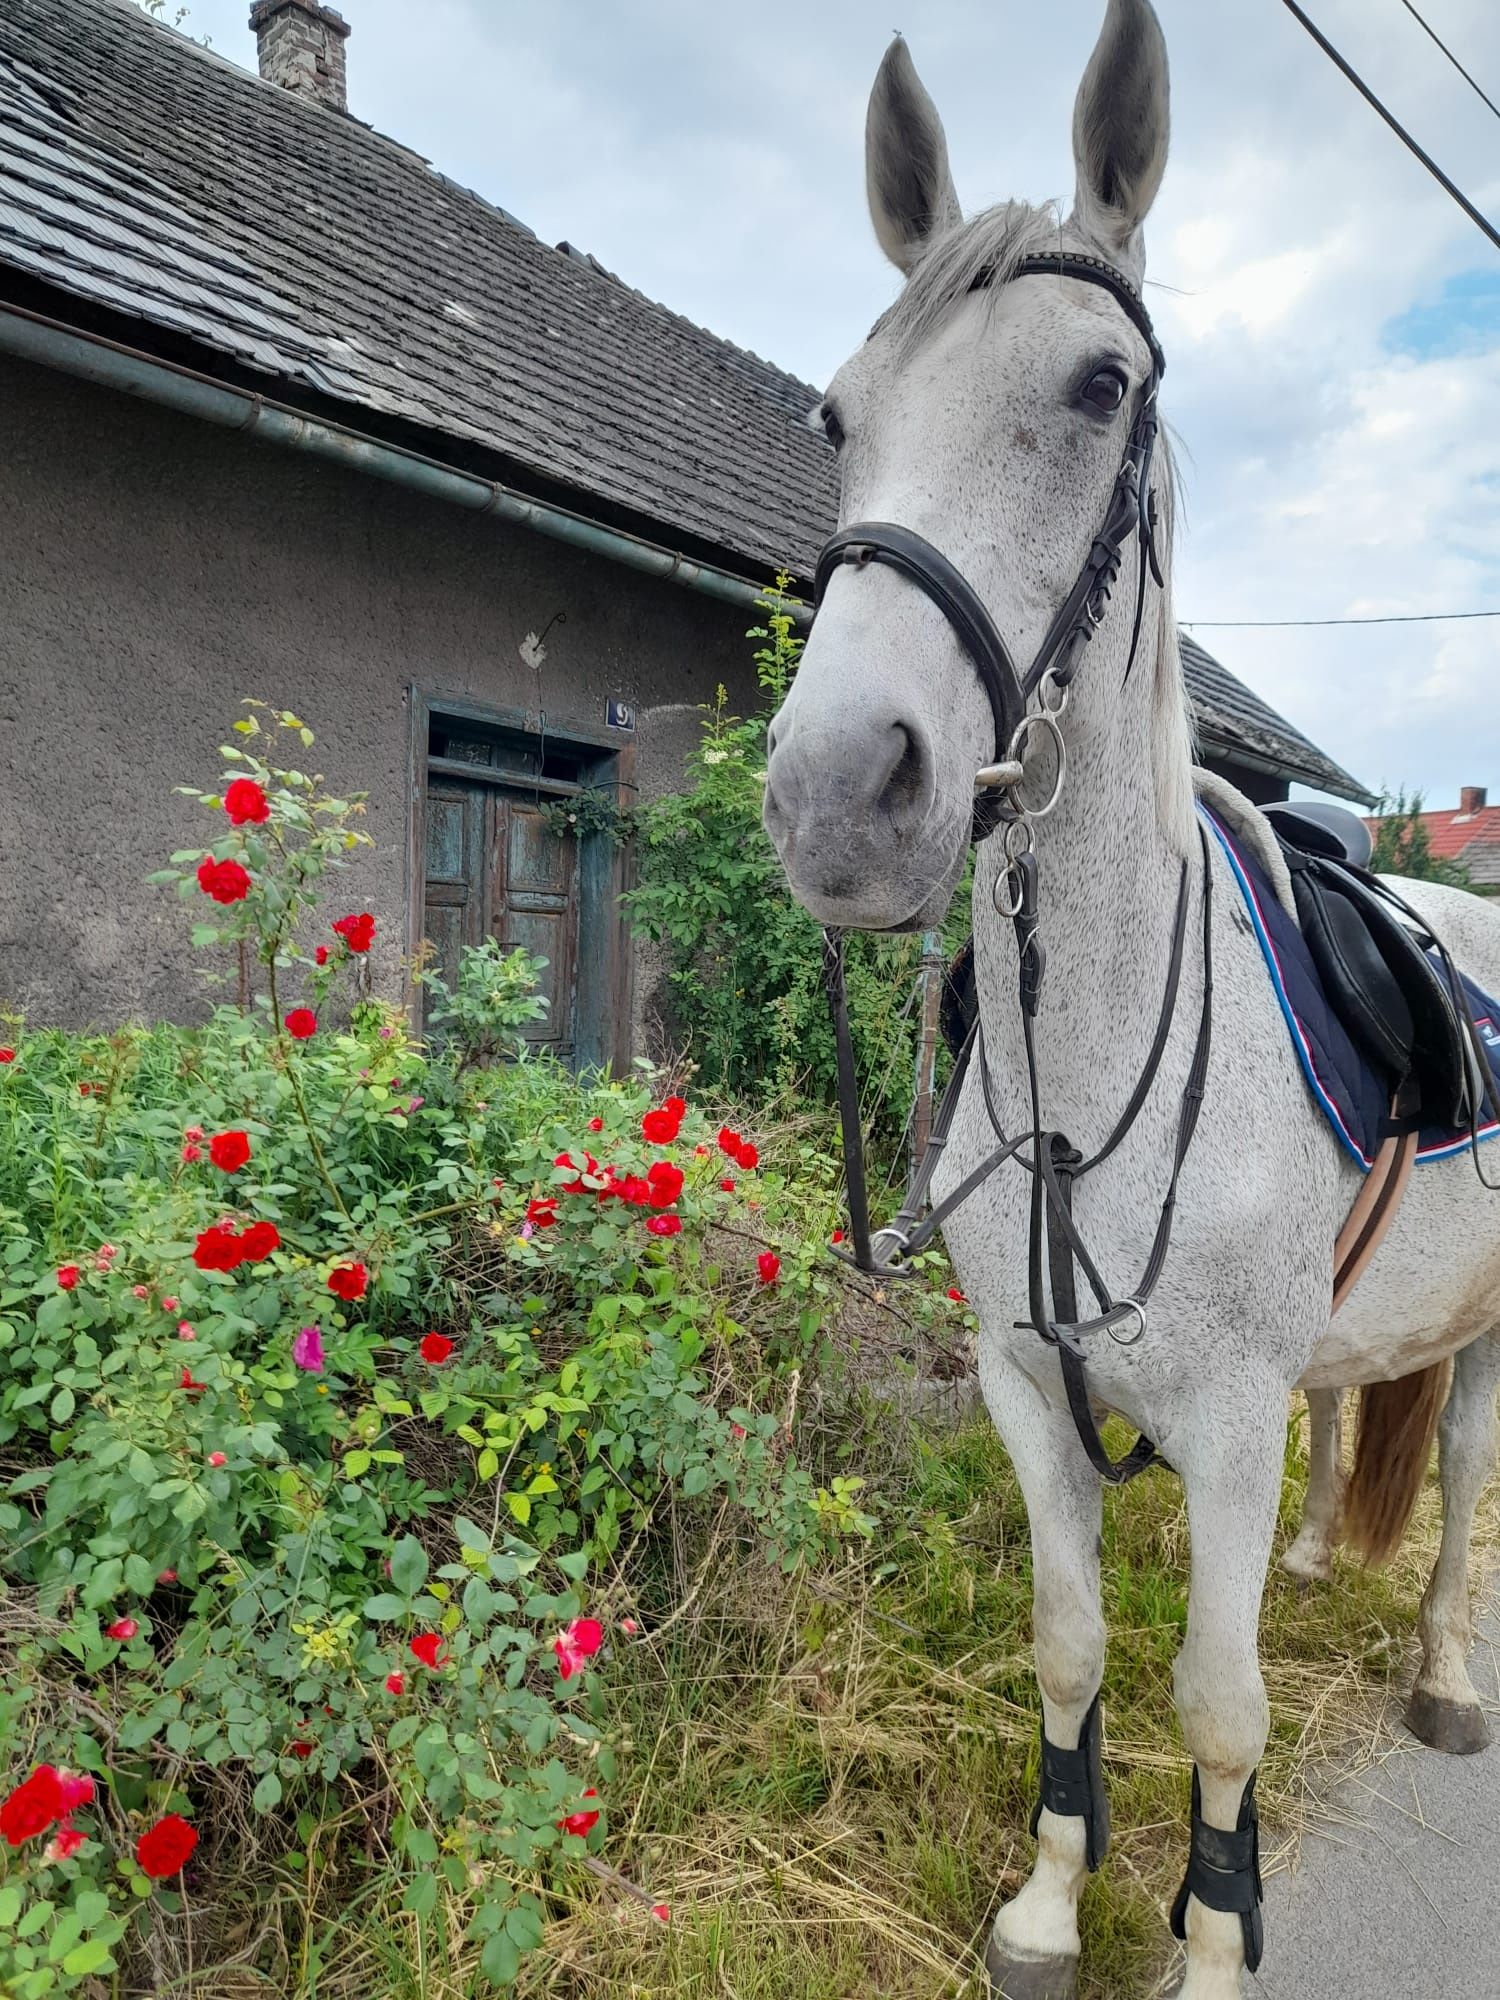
(1073, 1786)
(1223, 1872)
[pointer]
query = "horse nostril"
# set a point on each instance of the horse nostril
(904, 788)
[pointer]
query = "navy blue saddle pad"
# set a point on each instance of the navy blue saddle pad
(1351, 1094)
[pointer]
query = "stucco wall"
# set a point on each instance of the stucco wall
(154, 571)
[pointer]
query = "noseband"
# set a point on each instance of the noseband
(1131, 510)
(1056, 1250)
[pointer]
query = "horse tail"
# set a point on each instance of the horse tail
(1397, 1421)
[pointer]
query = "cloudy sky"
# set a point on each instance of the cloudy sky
(1332, 320)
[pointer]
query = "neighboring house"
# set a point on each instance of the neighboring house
(509, 537)
(1469, 836)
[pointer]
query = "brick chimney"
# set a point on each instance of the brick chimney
(1473, 798)
(300, 44)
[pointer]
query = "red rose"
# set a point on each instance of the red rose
(225, 881)
(837, 1236)
(75, 1790)
(666, 1183)
(301, 1023)
(664, 1225)
(122, 1629)
(577, 1643)
(428, 1648)
(581, 1823)
(956, 1295)
(395, 1683)
(348, 1282)
(436, 1347)
(769, 1266)
(64, 1844)
(33, 1806)
(541, 1213)
(229, 1151)
(576, 1186)
(659, 1128)
(258, 1241)
(9, 1055)
(634, 1190)
(162, 1849)
(218, 1249)
(67, 1277)
(595, 1124)
(216, 1459)
(747, 1156)
(729, 1141)
(727, 1185)
(192, 1154)
(357, 932)
(245, 802)
(677, 1106)
(187, 1382)
(320, 956)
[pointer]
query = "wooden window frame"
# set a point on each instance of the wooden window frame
(605, 962)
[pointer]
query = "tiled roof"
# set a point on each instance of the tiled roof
(154, 179)
(1451, 834)
(1234, 721)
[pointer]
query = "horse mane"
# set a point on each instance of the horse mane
(982, 255)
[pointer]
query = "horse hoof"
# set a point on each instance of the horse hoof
(1030, 1978)
(1456, 1727)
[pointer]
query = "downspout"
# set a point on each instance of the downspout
(105, 362)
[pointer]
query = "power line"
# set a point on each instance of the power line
(1480, 221)
(1395, 618)
(1451, 57)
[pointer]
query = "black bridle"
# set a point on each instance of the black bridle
(1056, 1250)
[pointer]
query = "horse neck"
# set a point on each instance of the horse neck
(1109, 862)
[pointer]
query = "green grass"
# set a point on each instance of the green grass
(829, 1781)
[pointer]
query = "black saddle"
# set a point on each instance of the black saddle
(1332, 831)
(1385, 975)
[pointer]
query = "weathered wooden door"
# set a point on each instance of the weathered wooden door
(494, 868)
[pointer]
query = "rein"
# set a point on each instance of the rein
(1056, 1249)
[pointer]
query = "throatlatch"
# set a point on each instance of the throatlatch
(1223, 1872)
(1073, 1786)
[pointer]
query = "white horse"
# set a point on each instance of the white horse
(988, 412)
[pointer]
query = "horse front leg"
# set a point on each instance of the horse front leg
(1310, 1556)
(1231, 1464)
(1034, 1946)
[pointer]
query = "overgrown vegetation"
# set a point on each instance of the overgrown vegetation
(744, 959)
(336, 1374)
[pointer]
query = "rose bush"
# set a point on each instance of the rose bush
(319, 1434)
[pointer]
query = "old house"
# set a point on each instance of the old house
(284, 412)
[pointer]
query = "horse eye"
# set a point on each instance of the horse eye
(1105, 390)
(833, 430)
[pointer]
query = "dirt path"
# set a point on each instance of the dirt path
(1400, 1895)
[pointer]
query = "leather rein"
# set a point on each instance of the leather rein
(1056, 1250)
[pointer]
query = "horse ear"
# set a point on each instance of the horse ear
(906, 162)
(1121, 125)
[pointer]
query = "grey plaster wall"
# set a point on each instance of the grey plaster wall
(154, 571)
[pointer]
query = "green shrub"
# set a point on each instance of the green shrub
(745, 961)
(333, 1370)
